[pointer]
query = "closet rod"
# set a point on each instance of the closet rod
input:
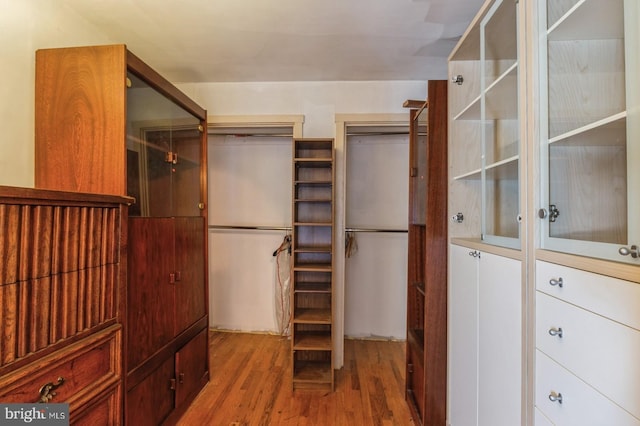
(374, 230)
(257, 135)
(260, 228)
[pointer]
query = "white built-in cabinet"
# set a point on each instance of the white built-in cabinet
(486, 308)
(587, 347)
(485, 338)
(590, 128)
(462, 395)
(544, 269)
(485, 127)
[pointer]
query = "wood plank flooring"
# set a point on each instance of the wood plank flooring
(251, 385)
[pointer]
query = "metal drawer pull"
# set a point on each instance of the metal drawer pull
(47, 391)
(556, 331)
(555, 397)
(555, 282)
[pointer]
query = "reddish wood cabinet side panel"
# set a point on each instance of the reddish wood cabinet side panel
(427, 343)
(80, 119)
(436, 259)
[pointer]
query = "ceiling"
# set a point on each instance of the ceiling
(285, 40)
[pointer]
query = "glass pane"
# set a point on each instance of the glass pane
(588, 187)
(187, 144)
(586, 67)
(418, 213)
(500, 40)
(501, 130)
(502, 203)
(163, 154)
(556, 10)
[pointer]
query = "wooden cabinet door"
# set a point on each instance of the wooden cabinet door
(151, 401)
(189, 263)
(150, 298)
(191, 368)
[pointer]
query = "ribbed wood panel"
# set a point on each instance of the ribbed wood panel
(59, 273)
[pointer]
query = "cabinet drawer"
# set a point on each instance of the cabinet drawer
(581, 404)
(599, 351)
(105, 411)
(610, 297)
(88, 367)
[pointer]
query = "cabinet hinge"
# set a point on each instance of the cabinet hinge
(171, 157)
(172, 384)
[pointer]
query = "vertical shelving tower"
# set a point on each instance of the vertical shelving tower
(312, 244)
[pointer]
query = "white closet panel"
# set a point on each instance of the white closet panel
(249, 180)
(377, 199)
(249, 186)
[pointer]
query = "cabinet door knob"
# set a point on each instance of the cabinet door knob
(555, 397)
(556, 331)
(634, 251)
(556, 282)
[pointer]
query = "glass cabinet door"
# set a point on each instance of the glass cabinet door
(589, 128)
(163, 154)
(500, 124)
(418, 172)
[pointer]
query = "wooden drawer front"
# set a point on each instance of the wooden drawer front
(88, 368)
(41, 312)
(45, 240)
(581, 404)
(105, 411)
(601, 352)
(613, 298)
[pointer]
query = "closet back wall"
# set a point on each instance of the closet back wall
(249, 185)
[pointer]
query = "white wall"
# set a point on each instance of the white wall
(25, 26)
(317, 101)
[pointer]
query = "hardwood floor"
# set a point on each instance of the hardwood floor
(251, 385)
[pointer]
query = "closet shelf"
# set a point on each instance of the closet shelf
(313, 342)
(312, 287)
(312, 316)
(610, 131)
(313, 267)
(313, 372)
